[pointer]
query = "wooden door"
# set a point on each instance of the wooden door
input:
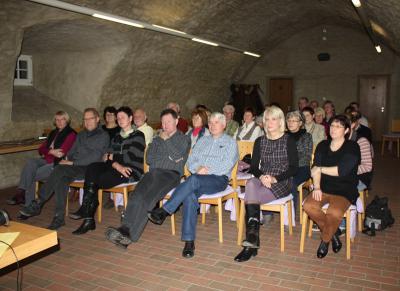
(373, 92)
(281, 92)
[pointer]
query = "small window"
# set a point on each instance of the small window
(23, 71)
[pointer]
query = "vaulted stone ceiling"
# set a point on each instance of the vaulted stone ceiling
(253, 25)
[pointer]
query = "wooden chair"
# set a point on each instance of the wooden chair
(278, 205)
(324, 208)
(215, 199)
(393, 136)
(361, 216)
(245, 148)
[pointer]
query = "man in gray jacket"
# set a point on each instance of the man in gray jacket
(89, 147)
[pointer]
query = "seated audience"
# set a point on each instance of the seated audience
(122, 163)
(166, 156)
(231, 125)
(303, 102)
(319, 117)
(363, 119)
(360, 130)
(199, 126)
(317, 131)
(314, 104)
(334, 181)
(329, 109)
(110, 119)
(304, 146)
(57, 145)
(365, 168)
(272, 175)
(89, 147)
(210, 163)
(249, 130)
(140, 121)
(183, 125)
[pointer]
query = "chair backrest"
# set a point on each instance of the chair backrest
(395, 125)
(245, 147)
(145, 165)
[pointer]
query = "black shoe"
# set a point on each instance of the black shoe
(32, 209)
(322, 249)
(246, 254)
(336, 243)
(12, 201)
(157, 216)
(188, 249)
(77, 214)
(22, 217)
(87, 224)
(118, 236)
(56, 223)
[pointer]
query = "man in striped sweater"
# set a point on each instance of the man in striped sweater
(166, 156)
(210, 163)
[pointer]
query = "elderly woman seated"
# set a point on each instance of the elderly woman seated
(199, 126)
(317, 131)
(249, 130)
(304, 146)
(334, 182)
(57, 145)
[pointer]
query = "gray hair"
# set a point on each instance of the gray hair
(219, 116)
(228, 108)
(295, 114)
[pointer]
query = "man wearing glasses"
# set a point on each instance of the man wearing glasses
(89, 147)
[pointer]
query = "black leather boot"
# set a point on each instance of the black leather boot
(89, 208)
(86, 199)
(252, 226)
(246, 254)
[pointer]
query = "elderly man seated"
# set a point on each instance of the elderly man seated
(210, 163)
(140, 121)
(89, 147)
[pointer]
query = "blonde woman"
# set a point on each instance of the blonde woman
(274, 163)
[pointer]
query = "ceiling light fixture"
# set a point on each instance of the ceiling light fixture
(356, 3)
(204, 41)
(169, 29)
(136, 23)
(252, 54)
(117, 19)
(378, 48)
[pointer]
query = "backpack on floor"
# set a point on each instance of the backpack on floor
(377, 216)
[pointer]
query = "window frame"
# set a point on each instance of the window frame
(29, 80)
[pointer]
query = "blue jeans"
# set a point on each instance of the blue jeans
(188, 193)
(303, 174)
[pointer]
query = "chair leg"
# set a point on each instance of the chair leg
(242, 211)
(66, 207)
(236, 201)
(281, 213)
(348, 234)
(300, 190)
(310, 228)
(398, 148)
(220, 234)
(125, 197)
(303, 232)
(203, 215)
(37, 189)
(173, 229)
(290, 218)
(99, 208)
(383, 146)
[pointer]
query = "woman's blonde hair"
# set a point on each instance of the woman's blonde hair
(63, 114)
(319, 111)
(274, 112)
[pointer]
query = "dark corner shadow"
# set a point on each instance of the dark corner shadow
(30, 259)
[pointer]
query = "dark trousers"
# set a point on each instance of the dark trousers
(58, 182)
(328, 223)
(104, 175)
(152, 188)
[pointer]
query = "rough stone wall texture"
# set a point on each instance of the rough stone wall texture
(11, 166)
(352, 54)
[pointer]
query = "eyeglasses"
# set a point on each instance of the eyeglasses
(336, 126)
(89, 118)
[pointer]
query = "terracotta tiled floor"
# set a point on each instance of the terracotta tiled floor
(89, 262)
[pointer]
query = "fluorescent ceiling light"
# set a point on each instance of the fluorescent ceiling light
(117, 19)
(378, 49)
(356, 3)
(204, 41)
(252, 54)
(169, 29)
